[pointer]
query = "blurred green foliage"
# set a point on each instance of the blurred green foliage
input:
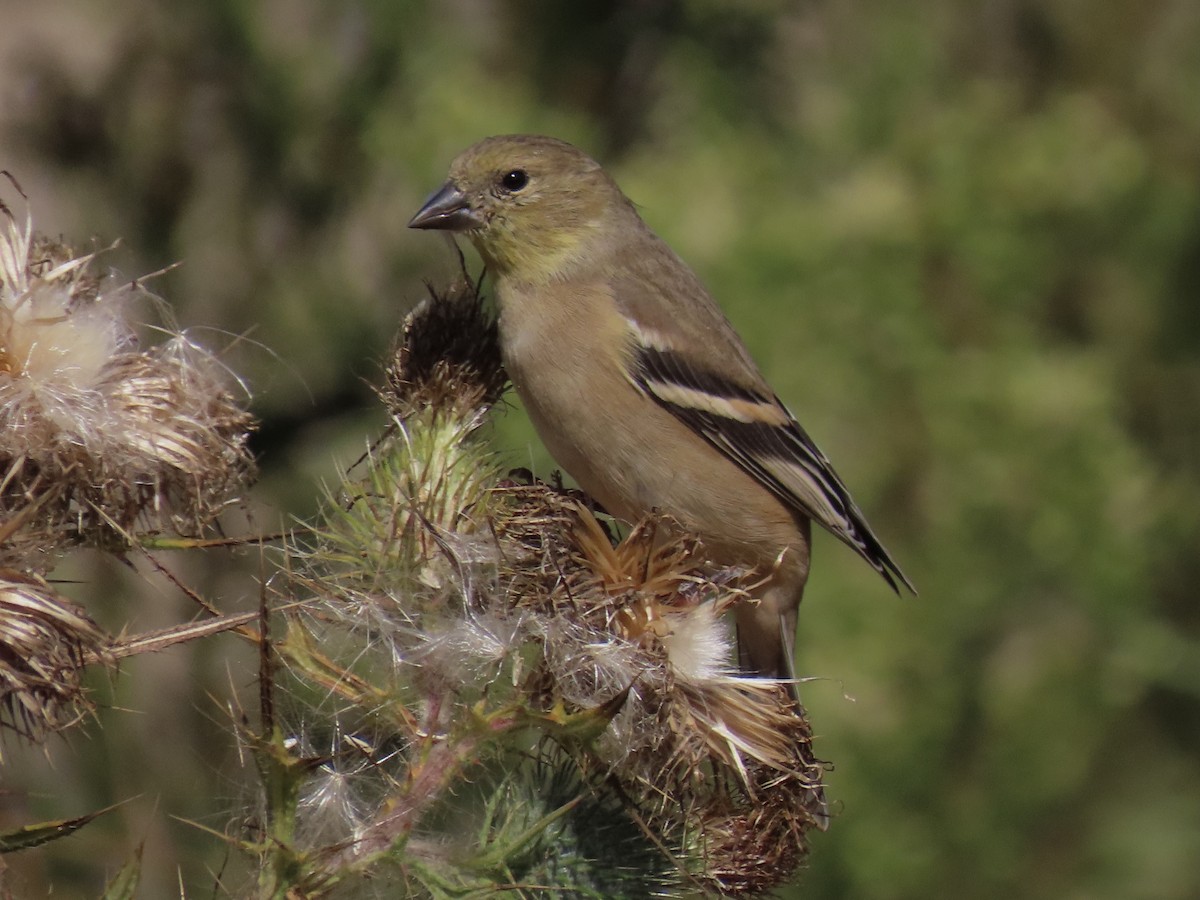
(963, 240)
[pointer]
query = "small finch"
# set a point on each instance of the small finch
(637, 383)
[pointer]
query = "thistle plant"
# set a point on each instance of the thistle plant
(487, 688)
(103, 443)
(470, 683)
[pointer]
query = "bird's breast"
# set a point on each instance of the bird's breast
(562, 351)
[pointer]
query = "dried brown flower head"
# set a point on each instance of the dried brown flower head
(706, 755)
(45, 641)
(446, 357)
(99, 438)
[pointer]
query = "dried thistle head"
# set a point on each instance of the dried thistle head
(747, 847)
(703, 752)
(446, 356)
(45, 641)
(102, 439)
(183, 441)
(712, 754)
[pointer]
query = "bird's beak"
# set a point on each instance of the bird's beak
(447, 210)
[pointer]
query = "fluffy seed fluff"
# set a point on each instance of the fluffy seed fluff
(100, 439)
(482, 609)
(707, 756)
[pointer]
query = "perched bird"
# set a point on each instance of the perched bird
(637, 383)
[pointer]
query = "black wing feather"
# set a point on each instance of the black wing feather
(753, 444)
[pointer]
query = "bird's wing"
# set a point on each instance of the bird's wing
(735, 412)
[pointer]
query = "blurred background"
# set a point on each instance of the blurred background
(963, 241)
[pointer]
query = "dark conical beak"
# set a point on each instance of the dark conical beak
(447, 210)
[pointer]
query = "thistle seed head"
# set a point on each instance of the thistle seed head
(45, 641)
(446, 356)
(98, 438)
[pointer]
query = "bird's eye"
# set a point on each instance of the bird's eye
(514, 180)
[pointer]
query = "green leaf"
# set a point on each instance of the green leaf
(123, 885)
(43, 832)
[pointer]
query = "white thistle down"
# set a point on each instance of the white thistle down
(104, 439)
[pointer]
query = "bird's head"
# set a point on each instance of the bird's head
(530, 204)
